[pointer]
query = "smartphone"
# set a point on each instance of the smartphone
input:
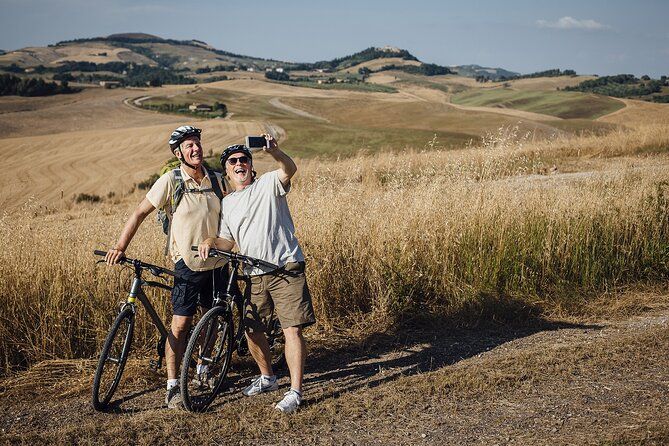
(256, 142)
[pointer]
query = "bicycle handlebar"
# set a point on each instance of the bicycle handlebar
(251, 261)
(153, 269)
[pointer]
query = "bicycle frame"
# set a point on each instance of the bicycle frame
(113, 356)
(231, 298)
(239, 300)
(137, 293)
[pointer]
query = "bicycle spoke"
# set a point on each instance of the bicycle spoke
(209, 351)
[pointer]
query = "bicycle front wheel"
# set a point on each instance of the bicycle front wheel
(207, 359)
(113, 358)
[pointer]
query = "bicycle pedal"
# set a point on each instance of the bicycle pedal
(155, 365)
(242, 351)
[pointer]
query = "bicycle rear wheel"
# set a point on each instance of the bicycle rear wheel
(113, 358)
(210, 345)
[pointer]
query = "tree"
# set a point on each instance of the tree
(276, 76)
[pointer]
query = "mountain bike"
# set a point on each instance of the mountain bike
(219, 333)
(116, 347)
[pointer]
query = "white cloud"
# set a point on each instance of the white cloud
(572, 23)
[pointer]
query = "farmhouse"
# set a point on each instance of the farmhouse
(194, 107)
(110, 84)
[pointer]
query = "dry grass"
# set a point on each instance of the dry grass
(479, 232)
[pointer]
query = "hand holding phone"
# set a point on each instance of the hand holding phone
(256, 142)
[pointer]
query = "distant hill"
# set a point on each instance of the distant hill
(116, 54)
(364, 56)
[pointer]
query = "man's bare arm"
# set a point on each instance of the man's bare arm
(287, 167)
(118, 251)
(218, 243)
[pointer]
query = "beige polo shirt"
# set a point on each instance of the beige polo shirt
(197, 217)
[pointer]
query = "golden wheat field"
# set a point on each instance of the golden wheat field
(441, 231)
(509, 268)
(517, 213)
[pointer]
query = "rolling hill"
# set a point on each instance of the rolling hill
(191, 57)
(561, 104)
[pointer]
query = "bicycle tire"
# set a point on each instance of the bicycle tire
(214, 331)
(113, 353)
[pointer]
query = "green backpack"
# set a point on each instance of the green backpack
(179, 188)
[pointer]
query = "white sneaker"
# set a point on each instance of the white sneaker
(261, 385)
(290, 402)
(173, 399)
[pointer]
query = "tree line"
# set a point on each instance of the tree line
(622, 86)
(13, 85)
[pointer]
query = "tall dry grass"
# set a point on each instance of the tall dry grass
(450, 233)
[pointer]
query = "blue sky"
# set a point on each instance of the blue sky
(600, 37)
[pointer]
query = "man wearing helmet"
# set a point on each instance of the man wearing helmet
(256, 216)
(193, 217)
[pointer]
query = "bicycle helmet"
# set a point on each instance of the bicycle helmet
(234, 149)
(180, 134)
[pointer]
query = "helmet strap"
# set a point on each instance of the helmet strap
(182, 159)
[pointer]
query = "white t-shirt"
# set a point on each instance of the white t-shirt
(258, 219)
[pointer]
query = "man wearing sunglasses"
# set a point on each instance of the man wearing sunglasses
(256, 217)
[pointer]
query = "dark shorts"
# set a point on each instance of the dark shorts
(193, 288)
(284, 291)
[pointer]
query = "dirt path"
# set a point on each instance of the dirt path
(276, 102)
(544, 382)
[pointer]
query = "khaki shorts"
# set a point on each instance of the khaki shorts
(284, 291)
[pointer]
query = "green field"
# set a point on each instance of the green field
(351, 86)
(346, 136)
(562, 104)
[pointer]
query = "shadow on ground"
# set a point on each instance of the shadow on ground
(420, 343)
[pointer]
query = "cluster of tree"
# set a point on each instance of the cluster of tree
(13, 85)
(209, 79)
(276, 76)
(135, 75)
(370, 53)
(89, 67)
(481, 78)
(70, 65)
(141, 75)
(426, 69)
(219, 109)
(13, 68)
(217, 68)
(555, 72)
(621, 86)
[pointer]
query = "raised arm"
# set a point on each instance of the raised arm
(129, 230)
(287, 167)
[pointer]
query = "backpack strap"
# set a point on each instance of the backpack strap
(178, 189)
(215, 186)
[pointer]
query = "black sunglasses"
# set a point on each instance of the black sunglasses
(241, 159)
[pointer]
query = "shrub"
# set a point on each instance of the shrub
(91, 198)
